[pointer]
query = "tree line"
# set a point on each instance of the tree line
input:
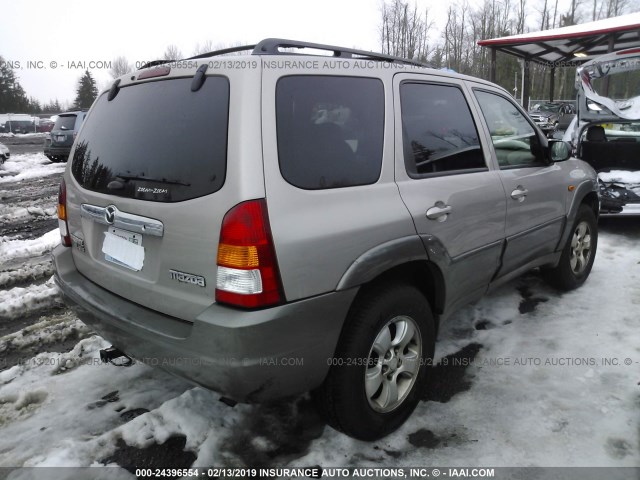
(13, 98)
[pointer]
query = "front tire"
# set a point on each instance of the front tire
(578, 254)
(380, 367)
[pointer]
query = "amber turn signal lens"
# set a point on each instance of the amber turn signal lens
(238, 256)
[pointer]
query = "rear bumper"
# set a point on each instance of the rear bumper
(57, 151)
(248, 356)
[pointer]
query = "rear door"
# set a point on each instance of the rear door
(448, 182)
(536, 194)
(151, 176)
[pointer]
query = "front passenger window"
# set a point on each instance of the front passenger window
(515, 141)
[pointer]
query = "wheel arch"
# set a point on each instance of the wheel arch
(402, 260)
(585, 194)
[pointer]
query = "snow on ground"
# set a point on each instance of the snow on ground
(22, 260)
(539, 392)
(24, 135)
(12, 249)
(34, 269)
(42, 334)
(544, 383)
(20, 301)
(11, 213)
(31, 165)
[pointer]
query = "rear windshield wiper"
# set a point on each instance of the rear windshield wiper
(149, 179)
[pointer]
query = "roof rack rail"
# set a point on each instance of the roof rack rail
(272, 46)
(213, 53)
(223, 51)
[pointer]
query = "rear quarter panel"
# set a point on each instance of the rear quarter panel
(318, 234)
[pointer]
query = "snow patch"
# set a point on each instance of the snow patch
(21, 167)
(20, 301)
(12, 249)
(49, 330)
(27, 272)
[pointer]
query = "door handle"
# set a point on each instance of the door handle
(519, 193)
(439, 212)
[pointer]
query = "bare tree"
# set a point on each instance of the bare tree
(172, 53)
(120, 66)
(522, 16)
(206, 47)
(404, 31)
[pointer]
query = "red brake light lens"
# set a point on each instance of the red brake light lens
(248, 274)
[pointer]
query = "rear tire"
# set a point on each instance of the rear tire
(578, 253)
(380, 367)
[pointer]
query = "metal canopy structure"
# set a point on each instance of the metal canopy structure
(566, 46)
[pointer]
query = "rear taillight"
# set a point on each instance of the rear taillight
(248, 274)
(65, 239)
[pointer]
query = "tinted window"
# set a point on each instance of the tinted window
(514, 139)
(65, 122)
(330, 130)
(156, 141)
(437, 129)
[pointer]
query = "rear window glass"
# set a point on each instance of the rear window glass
(330, 130)
(66, 122)
(156, 141)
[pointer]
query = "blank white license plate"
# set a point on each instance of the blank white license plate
(60, 138)
(124, 248)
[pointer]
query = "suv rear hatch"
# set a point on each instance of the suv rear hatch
(62, 133)
(145, 171)
(608, 127)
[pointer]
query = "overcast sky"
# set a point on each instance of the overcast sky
(84, 31)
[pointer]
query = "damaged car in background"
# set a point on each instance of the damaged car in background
(606, 130)
(552, 116)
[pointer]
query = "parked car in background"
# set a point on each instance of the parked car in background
(45, 126)
(303, 228)
(606, 131)
(19, 126)
(58, 145)
(552, 116)
(4, 153)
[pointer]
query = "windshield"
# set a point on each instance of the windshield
(156, 141)
(547, 107)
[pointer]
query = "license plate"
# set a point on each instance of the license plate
(123, 248)
(60, 138)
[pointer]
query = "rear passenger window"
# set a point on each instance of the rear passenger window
(330, 130)
(515, 141)
(438, 132)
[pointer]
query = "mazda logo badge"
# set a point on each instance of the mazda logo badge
(110, 214)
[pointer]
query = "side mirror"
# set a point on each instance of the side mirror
(559, 151)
